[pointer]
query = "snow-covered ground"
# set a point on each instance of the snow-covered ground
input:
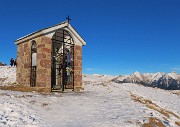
(7, 75)
(101, 104)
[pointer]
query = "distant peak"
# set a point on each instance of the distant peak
(136, 73)
(173, 72)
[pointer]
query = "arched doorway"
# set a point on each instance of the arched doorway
(62, 76)
(33, 64)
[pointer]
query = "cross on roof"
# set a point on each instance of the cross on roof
(68, 19)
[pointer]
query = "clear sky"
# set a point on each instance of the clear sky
(123, 36)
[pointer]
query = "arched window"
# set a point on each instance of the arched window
(33, 53)
(33, 64)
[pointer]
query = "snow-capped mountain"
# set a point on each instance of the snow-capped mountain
(170, 81)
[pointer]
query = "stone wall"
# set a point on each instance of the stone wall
(23, 63)
(77, 68)
(43, 71)
(44, 47)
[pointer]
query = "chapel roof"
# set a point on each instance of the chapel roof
(48, 30)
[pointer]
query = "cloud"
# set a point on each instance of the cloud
(176, 68)
(91, 69)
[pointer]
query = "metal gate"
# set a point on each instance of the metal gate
(62, 76)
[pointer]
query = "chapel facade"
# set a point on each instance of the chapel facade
(50, 59)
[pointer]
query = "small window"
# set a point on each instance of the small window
(33, 53)
(33, 64)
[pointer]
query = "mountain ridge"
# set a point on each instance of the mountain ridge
(169, 81)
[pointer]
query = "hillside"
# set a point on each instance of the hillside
(103, 103)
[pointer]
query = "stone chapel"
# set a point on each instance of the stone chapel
(51, 59)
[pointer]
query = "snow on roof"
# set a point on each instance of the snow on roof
(64, 24)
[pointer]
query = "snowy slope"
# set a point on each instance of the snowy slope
(7, 75)
(102, 104)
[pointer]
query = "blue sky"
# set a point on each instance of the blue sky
(123, 36)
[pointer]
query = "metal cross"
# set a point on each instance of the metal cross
(68, 19)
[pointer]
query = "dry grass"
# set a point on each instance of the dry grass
(155, 107)
(177, 93)
(44, 104)
(165, 119)
(17, 88)
(154, 122)
(23, 88)
(177, 123)
(86, 82)
(2, 80)
(163, 111)
(32, 101)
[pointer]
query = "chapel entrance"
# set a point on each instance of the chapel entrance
(62, 76)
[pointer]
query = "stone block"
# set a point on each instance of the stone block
(45, 50)
(41, 71)
(45, 63)
(46, 40)
(41, 55)
(40, 84)
(41, 45)
(79, 57)
(78, 78)
(27, 65)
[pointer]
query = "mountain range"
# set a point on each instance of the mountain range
(170, 81)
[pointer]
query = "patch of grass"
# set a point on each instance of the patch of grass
(177, 93)
(24, 88)
(2, 80)
(162, 111)
(44, 104)
(165, 119)
(155, 107)
(17, 88)
(177, 123)
(154, 122)
(32, 101)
